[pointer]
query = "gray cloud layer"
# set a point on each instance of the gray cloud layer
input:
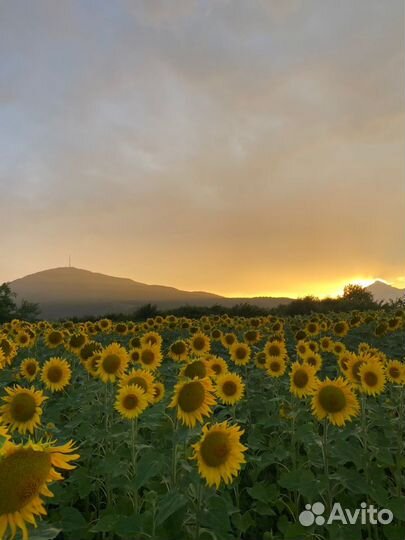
(225, 145)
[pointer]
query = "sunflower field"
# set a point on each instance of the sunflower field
(219, 428)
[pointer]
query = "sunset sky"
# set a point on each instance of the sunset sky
(239, 147)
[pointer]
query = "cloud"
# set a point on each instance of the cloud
(229, 146)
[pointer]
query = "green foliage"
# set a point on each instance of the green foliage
(27, 311)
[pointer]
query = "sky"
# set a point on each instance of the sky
(242, 148)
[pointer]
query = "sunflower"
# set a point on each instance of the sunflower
(338, 347)
(353, 367)
(9, 349)
(25, 472)
(178, 351)
(134, 354)
(302, 348)
(22, 409)
(229, 388)
(200, 344)
(228, 339)
(276, 366)
(112, 362)
(91, 364)
(334, 400)
(151, 338)
(197, 368)
(261, 360)
(29, 369)
(395, 371)
(252, 336)
(219, 453)
(76, 342)
(142, 378)
(275, 349)
(341, 328)
(105, 325)
(326, 344)
(372, 378)
(240, 353)
(131, 401)
(312, 328)
(150, 357)
(217, 365)
(54, 338)
(23, 339)
(56, 374)
(302, 379)
(313, 359)
(88, 350)
(344, 360)
(193, 400)
(158, 392)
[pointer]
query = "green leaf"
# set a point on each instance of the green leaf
(148, 466)
(397, 506)
(299, 481)
(72, 519)
(265, 493)
(243, 522)
(107, 523)
(44, 532)
(168, 505)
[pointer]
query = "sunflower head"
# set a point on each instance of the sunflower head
(56, 374)
(22, 409)
(29, 369)
(372, 378)
(193, 400)
(112, 362)
(229, 388)
(302, 379)
(335, 401)
(131, 401)
(219, 453)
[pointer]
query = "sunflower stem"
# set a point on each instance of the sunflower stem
(134, 438)
(174, 453)
(325, 455)
(400, 442)
(198, 511)
(365, 447)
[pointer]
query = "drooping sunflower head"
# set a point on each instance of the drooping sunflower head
(200, 344)
(372, 378)
(25, 472)
(229, 388)
(219, 453)
(302, 379)
(335, 401)
(56, 374)
(131, 401)
(240, 353)
(29, 369)
(112, 362)
(22, 409)
(193, 400)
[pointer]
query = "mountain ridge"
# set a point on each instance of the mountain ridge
(69, 291)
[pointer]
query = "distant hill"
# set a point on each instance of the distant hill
(66, 292)
(384, 292)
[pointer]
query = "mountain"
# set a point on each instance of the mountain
(66, 292)
(384, 292)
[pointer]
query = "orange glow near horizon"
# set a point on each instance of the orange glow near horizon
(321, 290)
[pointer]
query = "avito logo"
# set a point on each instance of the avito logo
(365, 514)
